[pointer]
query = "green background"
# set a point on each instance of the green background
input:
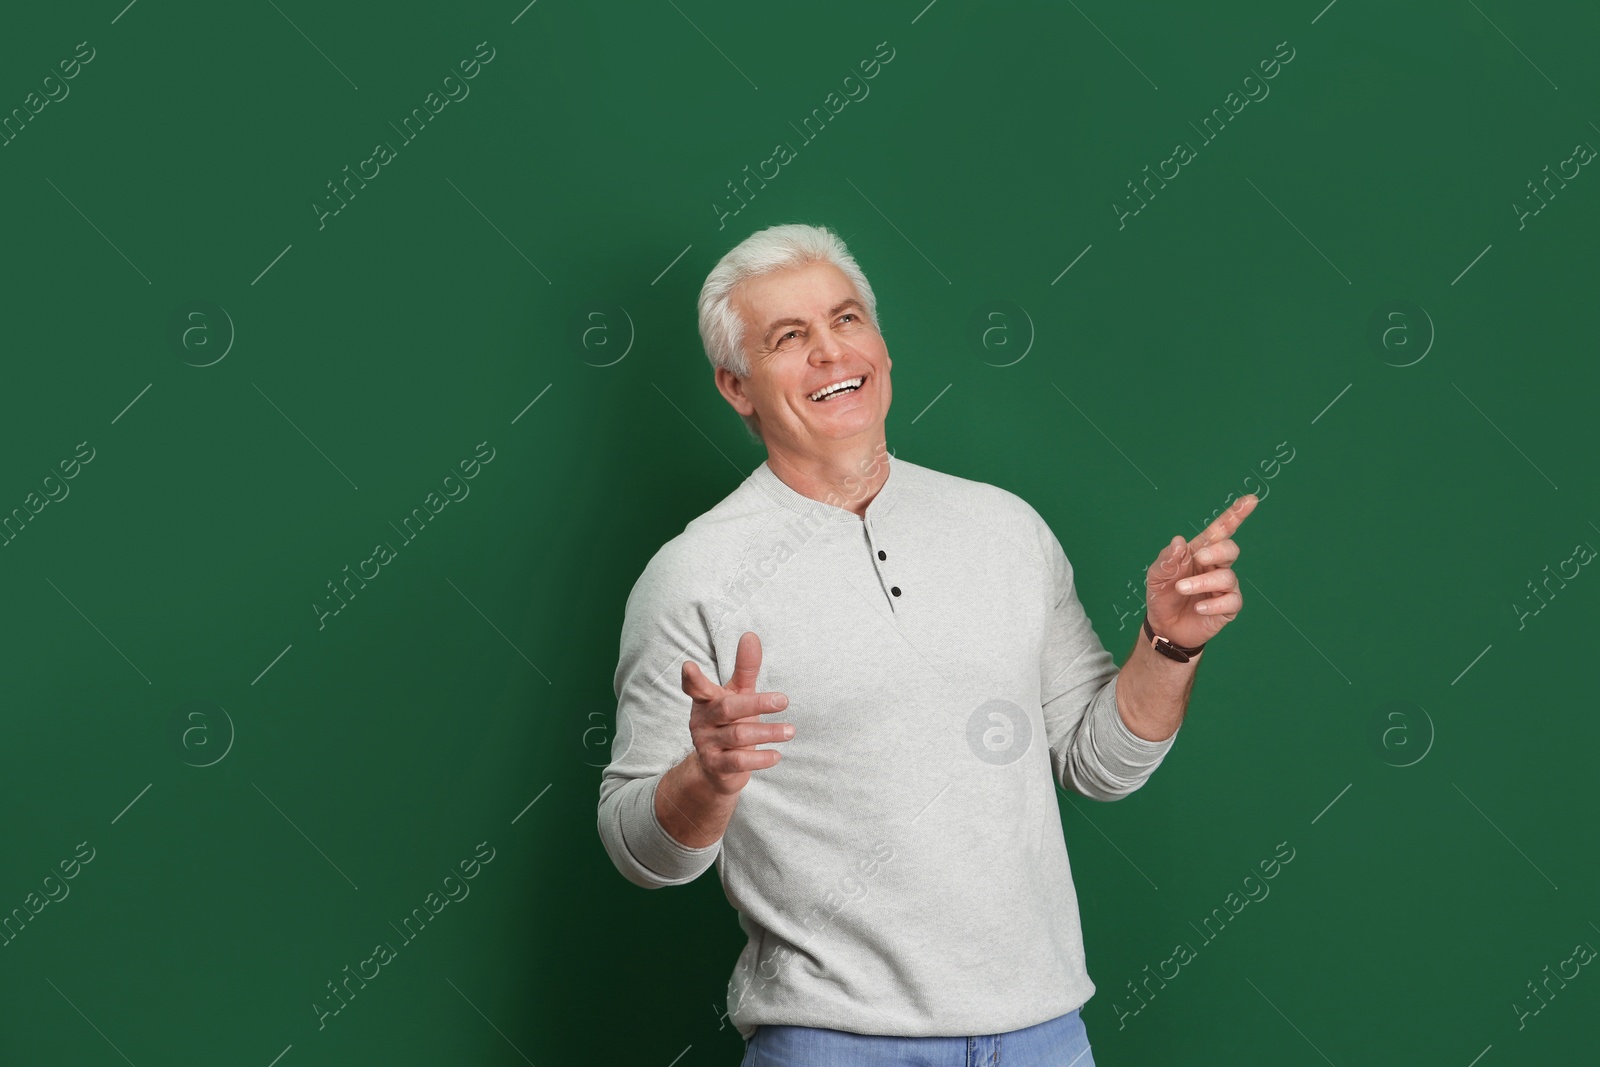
(464, 695)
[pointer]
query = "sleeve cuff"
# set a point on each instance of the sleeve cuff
(1120, 746)
(663, 860)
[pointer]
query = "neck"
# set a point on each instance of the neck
(849, 478)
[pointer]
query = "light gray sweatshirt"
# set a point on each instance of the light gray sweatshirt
(902, 870)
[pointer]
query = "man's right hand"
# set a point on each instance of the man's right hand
(725, 721)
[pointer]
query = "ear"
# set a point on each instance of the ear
(731, 386)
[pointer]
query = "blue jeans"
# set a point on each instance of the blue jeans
(1059, 1042)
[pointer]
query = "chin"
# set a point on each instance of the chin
(849, 428)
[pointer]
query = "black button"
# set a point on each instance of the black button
(882, 554)
(895, 590)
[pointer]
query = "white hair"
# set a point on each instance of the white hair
(771, 249)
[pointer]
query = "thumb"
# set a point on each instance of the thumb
(1172, 557)
(695, 683)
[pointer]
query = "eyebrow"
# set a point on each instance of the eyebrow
(848, 302)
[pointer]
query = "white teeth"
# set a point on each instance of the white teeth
(836, 387)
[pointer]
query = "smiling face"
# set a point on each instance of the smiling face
(806, 328)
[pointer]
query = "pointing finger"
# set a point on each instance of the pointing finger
(1227, 522)
(746, 664)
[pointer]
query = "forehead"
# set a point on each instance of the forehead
(797, 292)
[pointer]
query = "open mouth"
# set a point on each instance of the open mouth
(837, 389)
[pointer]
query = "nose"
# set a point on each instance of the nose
(829, 347)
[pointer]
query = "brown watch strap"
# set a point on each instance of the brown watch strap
(1167, 648)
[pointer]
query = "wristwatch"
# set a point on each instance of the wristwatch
(1167, 648)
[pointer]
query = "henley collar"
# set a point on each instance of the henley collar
(796, 501)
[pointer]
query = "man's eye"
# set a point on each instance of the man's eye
(786, 336)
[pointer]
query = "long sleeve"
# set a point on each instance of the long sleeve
(1092, 751)
(661, 627)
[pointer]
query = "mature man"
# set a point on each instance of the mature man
(898, 867)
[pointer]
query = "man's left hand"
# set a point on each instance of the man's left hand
(1191, 592)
